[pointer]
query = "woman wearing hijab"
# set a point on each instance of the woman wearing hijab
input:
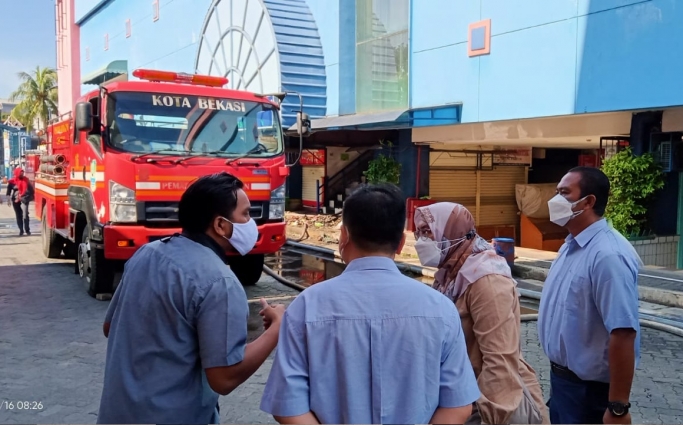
(480, 284)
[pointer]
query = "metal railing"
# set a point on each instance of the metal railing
(332, 186)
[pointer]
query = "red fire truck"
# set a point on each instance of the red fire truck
(115, 169)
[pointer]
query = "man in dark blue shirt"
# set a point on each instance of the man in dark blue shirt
(177, 325)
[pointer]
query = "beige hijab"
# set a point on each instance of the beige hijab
(469, 257)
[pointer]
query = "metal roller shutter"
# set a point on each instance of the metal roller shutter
(309, 189)
(454, 186)
(497, 195)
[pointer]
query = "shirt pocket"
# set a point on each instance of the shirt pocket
(578, 294)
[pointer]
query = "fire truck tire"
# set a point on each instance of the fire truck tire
(95, 270)
(51, 241)
(248, 268)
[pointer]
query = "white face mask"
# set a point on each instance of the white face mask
(431, 252)
(428, 252)
(244, 236)
(561, 210)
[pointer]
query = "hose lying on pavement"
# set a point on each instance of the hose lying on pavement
(419, 270)
(652, 324)
(267, 270)
(643, 322)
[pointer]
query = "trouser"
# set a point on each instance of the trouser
(575, 401)
(526, 413)
(21, 212)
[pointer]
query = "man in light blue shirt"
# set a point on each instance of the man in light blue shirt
(588, 318)
(177, 325)
(371, 345)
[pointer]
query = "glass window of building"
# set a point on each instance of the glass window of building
(382, 54)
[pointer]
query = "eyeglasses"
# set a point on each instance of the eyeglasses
(423, 234)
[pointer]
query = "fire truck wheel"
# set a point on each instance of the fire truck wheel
(51, 241)
(248, 268)
(94, 268)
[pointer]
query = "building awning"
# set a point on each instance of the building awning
(388, 120)
(577, 131)
(672, 120)
(398, 118)
(113, 70)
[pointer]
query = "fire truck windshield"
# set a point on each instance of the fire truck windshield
(172, 124)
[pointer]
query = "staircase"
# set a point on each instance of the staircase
(337, 188)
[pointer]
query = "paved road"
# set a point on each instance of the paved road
(53, 351)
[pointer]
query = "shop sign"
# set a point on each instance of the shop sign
(513, 156)
(312, 157)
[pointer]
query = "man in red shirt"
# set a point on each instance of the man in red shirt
(20, 193)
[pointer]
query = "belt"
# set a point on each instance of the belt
(564, 372)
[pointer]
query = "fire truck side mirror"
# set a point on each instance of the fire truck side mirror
(84, 118)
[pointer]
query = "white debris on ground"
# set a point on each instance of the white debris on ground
(317, 227)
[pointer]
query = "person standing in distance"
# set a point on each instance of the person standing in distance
(371, 345)
(177, 324)
(20, 193)
(588, 317)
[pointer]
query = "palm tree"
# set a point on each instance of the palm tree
(36, 97)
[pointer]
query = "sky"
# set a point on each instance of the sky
(27, 39)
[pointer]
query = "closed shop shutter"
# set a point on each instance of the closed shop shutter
(497, 195)
(309, 177)
(454, 186)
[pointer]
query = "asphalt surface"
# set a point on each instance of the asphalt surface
(53, 350)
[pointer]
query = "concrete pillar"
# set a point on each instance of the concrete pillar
(414, 160)
(347, 57)
(68, 55)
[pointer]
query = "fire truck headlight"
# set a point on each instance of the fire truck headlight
(122, 206)
(123, 214)
(277, 203)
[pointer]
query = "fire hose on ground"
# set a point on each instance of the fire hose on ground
(267, 270)
(652, 323)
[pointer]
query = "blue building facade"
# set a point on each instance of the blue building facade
(475, 91)
(14, 142)
(361, 56)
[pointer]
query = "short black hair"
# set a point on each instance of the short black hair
(208, 197)
(594, 182)
(375, 216)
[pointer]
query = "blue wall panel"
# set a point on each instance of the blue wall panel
(443, 23)
(85, 7)
(564, 57)
(515, 15)
(457, 76)
(169, 43)
(519, 81)
(631, 57)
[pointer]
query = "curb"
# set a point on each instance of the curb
(420, 270)
(645, 293)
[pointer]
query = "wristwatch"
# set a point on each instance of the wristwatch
(617, 408)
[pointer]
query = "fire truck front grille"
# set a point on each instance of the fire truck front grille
(165, 213)
(158, 214)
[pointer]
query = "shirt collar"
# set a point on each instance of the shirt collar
(207, 241)
(588, 233)
(372, 263)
